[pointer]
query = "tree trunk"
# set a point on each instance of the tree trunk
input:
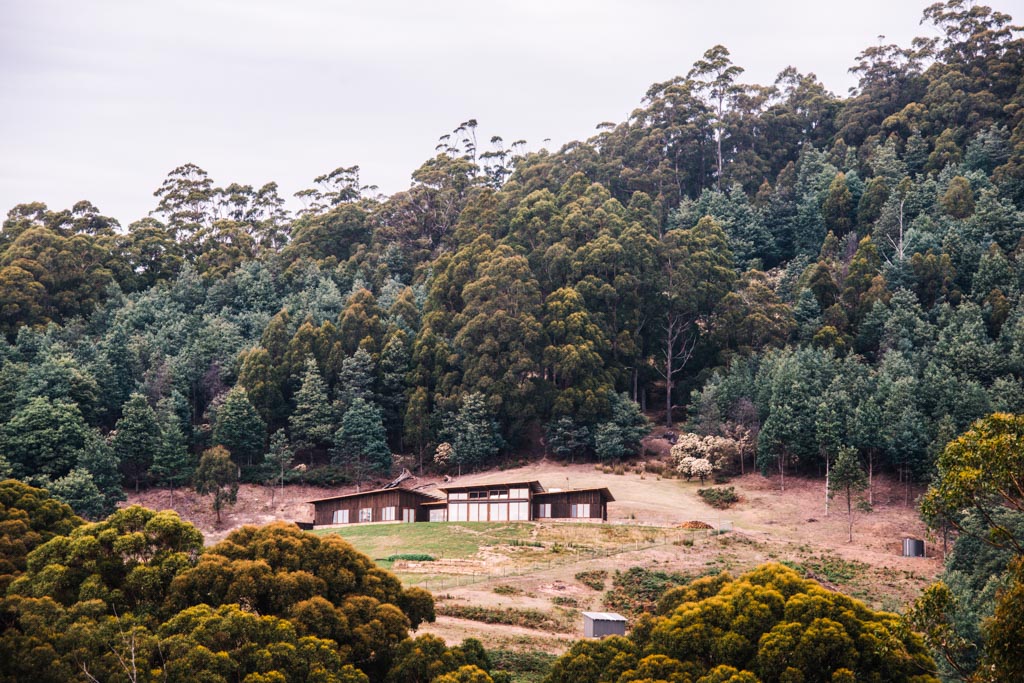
(782, 470)
(849, 511)
(871, 471)
(718, 180)
(668, 381)
(826, 485)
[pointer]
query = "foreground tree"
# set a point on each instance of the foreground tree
(766, 625)
(139, 598)
(979, 490)
(217, 475)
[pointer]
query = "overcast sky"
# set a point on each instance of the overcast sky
(99, 99)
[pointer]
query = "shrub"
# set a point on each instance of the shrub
(593, 578)
(505, 589)
(412, 557)
(720, 498)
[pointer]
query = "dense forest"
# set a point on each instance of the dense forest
(805, 272)
(820, 271)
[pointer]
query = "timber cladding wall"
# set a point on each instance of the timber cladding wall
(388, 505)
(581, 504)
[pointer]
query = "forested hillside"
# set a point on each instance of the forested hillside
(814, 270)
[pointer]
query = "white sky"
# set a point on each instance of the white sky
(99, 99)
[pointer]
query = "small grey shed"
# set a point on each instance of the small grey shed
(601, 624)
(913, 547)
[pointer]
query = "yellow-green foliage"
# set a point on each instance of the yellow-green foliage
(28, 518)
(136, 597)
(767, 625)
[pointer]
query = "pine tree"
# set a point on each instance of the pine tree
(355, 379)
(239, 428)
(567, 439)
(77, 489)
(98, 459)
(476, 436)
(395, 362)
(172, 466)
(619, 436)
(360, 442)
(136, 439)
(312, 422)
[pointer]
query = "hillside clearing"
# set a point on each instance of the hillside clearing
(535, 563)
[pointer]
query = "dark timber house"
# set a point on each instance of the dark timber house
(381, 505)
(505, 502)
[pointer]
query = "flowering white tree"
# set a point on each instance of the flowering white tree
(691, 467)
(715, 449)
(443, 454)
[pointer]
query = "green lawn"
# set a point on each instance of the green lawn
(439, 539)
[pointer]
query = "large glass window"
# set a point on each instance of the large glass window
(580, 510)
(341, 516)
(438, 515)
(499, 512)
(387, 514)
(519, 493)
(519, 512)
(408, 515)
(544, 510)
(365, 514)
(475, 510)
(457, 512)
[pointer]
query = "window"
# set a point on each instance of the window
(519, 512)
(439, 515)
(365, 514)
(499, 495)
(519, 493)
(387, 514)
(544, 510)
(475, 511)
(457, 512)
(477, 495)
(579, 510)
(341, 516)
(408, 515)
(462, 495)
(499, 512)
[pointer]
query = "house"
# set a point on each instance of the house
(380, 505)
(504, 502)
